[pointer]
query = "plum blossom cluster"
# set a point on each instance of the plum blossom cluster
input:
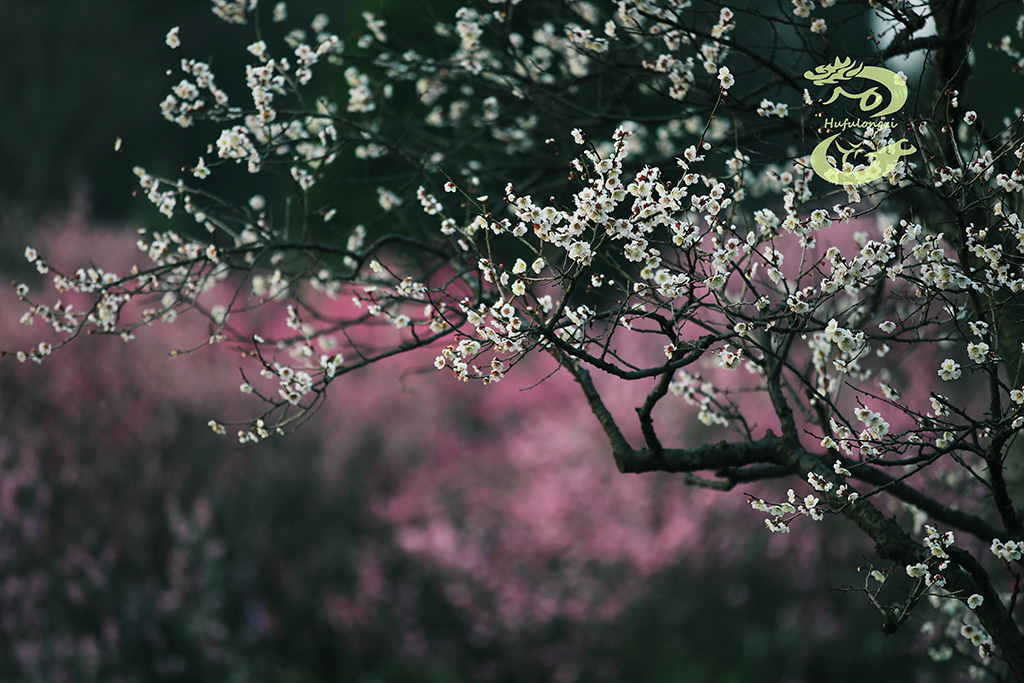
(712, 405)
(263, 134)
(957, 630)
(957, 627)
(769, 108)
(931, 572)
(978, 638)
(781, 514)
(1007, 551)
(187, 100)
(109, 298)
(234, 11)
(190, 275)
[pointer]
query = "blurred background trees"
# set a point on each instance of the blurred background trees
(414, 532)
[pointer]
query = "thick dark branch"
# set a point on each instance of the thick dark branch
(730, 476)
(1000, 492)
(940, 513)
(737, 475)
(724, 456)
(997, 620)
(778, 399)
(906, 47)
(695, 350)
(620, 447)
(706, 457)
(728, 460)
(360, 257)
(893, 543)
(775, 456)
(644, 412)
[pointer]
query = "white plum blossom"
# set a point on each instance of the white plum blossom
(172, 39)
(725, 78)
(730, 359)
(201, 170)
(917, 570)
(1008, 551)
(978, 351)
(949, 370)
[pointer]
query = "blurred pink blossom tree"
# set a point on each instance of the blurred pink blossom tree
(135, 547)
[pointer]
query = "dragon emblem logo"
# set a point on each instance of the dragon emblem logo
(883, 160)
